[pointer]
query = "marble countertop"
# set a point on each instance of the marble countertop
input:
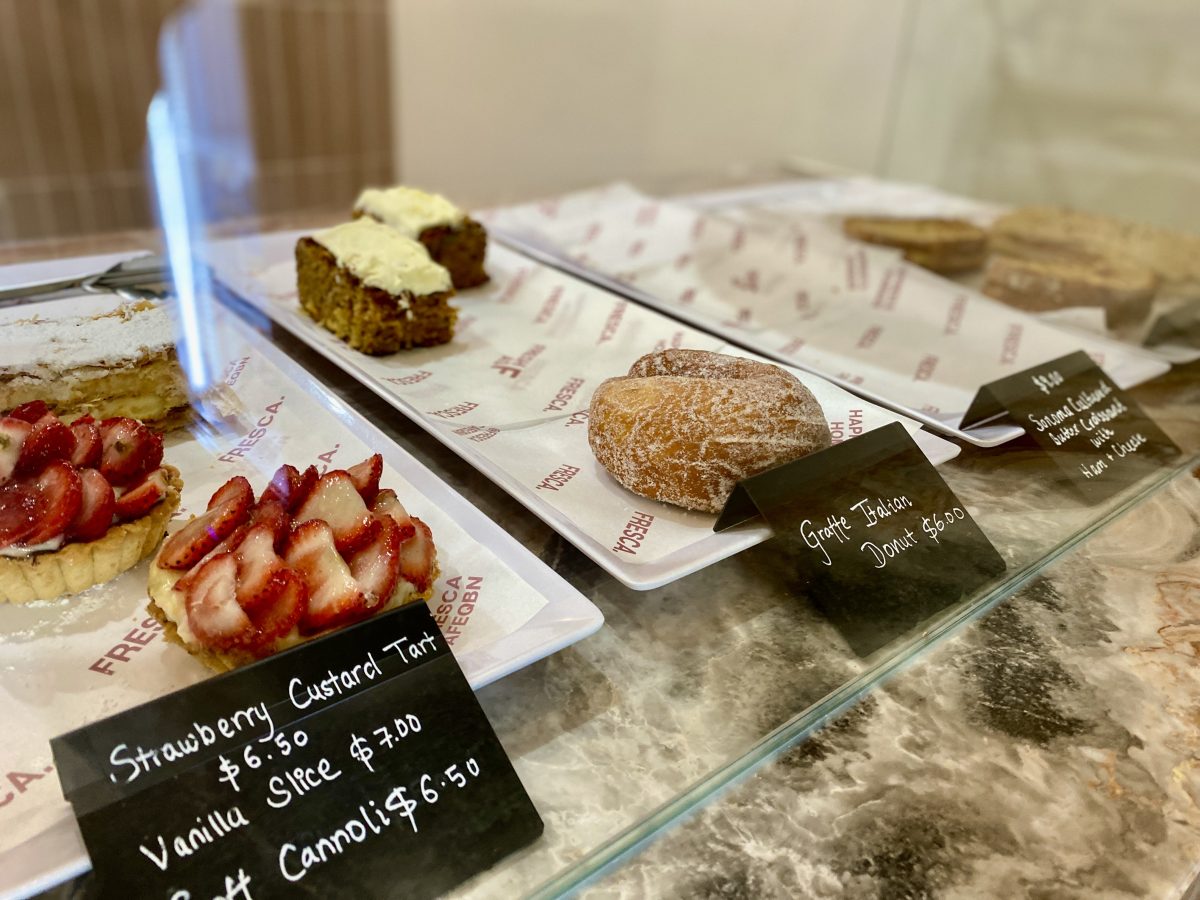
(1049, 749)
(682, 681)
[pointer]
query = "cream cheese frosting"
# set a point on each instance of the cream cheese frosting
(383, 258)
(409, 210)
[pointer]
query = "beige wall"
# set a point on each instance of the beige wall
(1094, 103)
(1091, 103)
(499, 101)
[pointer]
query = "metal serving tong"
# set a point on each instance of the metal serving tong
(142, 278)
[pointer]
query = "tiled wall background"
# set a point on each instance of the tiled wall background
(76, 80)
(1093, 103)
(78, 75)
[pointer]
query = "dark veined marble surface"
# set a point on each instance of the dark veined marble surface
(1049, 749)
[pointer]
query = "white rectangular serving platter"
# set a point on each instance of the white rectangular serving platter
(863, 195)
(533, 230)
(259, 270)
(41, 632)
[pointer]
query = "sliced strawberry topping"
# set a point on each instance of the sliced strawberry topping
(13, 434)
(376, 566)
(58, 495)
(302, 488)
(290, 486)
(272, 514)
(141, 497)
(336, 501)
(154, 456)
(49, 439)
(31, 411)
(128, 448)
(258, 564)
(279, 617)
(193, 541)
(18, 510)
(212, 608)
(281, 484)
(96, 509)
(227, 545)
(366, 477)
(416, 557)
(388, 503)
(88, 446)
(269, 514)
(334, 597)
(236, 488)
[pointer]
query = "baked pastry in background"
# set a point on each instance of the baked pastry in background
(454, 240)
(79, 503)
(1124, 290)
(947, 246)
(684, 426)
(374, 288)
(1050, 233)
(248, 578)
(119, 363)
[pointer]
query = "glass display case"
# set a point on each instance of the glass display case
(898, 208)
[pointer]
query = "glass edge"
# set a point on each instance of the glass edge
(624, 844)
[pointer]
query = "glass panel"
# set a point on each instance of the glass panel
(270, 117)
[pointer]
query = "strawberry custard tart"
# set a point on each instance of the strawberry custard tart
(248, 578)
(79, 503)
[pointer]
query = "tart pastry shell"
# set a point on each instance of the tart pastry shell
(77, 567)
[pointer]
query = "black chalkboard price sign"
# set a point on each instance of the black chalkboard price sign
(1095, 433)
(876, 538)
(357, 765)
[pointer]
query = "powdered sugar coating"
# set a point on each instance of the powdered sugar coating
(686, 425)
(45, 346)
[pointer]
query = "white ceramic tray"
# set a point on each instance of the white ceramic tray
(855, 314)
(45, 649)
(786, 202)
(569, 334)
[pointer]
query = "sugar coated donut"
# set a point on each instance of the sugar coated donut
(684, 426)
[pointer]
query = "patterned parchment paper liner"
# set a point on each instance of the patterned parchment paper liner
(793, 204)
(513, 387)
(69, 662)
(856, 312)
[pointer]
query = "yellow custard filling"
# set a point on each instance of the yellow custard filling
(147, 391)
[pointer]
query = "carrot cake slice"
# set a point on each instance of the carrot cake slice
(453, 239)
(120, 363)
(374, 288)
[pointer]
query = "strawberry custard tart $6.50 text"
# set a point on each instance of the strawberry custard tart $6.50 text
(248, 578)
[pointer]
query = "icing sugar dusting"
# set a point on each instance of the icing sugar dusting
(123, 335)
(686, 425)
